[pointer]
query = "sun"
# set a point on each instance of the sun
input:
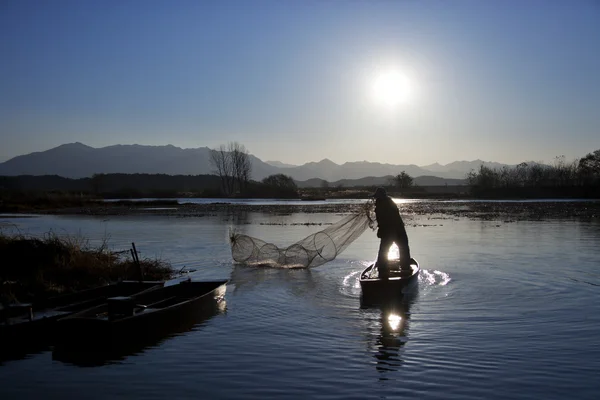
(391, 88)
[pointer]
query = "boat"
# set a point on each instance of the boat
(89, 356)
(377, 290)
(26, 323)
(125, 319)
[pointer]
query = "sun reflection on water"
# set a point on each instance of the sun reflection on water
(394, 321)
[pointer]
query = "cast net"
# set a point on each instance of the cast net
(312, 251)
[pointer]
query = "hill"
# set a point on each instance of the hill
(76, 160)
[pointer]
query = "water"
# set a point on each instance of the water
(503, 310)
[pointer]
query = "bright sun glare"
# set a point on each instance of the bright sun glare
(391, 88)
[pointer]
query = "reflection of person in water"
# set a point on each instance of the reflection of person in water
(394, 324)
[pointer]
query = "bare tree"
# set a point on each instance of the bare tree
(221, 163)
(241, 165)
(232, 164)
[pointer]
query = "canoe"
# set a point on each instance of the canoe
(377, 291)
(23, 324)
(130, 318)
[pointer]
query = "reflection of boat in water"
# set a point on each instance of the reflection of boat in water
(117, 352)
(123, 320)
(377, 290)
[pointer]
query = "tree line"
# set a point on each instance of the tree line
(115, 185)
(578, 178)
(232, 169)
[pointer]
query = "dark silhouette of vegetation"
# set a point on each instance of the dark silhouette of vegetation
(580, 178)
(589, 169)
(402, 181)
(278, 186)
(41, 267)
(150, 185)
(30, 201)
(22, 193)
(577, 179)
(231, 163)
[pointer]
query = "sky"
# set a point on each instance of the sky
(399, 82)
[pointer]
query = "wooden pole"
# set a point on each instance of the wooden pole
(136, 260)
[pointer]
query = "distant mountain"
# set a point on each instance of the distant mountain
(76, 160)
(458, 169)
(279, 164)
(435, 167)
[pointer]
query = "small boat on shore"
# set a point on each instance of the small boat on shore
(377, 290)
(23, 324)
(129, 318)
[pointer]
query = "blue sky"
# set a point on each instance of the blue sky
(505, 81)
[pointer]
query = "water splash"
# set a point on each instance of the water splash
(351, 280)
(434, 278)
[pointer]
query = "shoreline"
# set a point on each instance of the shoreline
(508, 209)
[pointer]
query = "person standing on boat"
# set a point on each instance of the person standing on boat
(390, 230)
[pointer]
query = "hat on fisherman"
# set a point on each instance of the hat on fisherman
(380, 193)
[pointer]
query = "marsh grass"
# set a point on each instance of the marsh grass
(39, 267)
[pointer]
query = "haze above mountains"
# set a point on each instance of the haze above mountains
(77, 160)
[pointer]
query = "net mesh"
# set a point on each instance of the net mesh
(312, 251)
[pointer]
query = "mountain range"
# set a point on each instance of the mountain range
(77, 160)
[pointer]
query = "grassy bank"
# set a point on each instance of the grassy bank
(36, 268)
(19, 202)
(41, 202)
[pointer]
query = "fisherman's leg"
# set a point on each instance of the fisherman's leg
(403, 248)
(382, 256)
(384, 248)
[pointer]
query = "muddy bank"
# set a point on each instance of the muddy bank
(498, 210)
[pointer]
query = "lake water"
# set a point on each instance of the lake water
(502, 310)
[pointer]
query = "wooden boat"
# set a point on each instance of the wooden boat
(129, 318)
(92, 355)
(376, 290)
(22, 324)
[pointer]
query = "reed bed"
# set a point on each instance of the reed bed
(40, 267)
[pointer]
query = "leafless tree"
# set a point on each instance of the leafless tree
(232, 164)
(241, 165)
(220, 161)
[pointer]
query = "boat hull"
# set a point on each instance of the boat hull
(376, 290)
(32, 326)
(167, 308)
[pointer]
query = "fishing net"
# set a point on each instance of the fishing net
(312, 251)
